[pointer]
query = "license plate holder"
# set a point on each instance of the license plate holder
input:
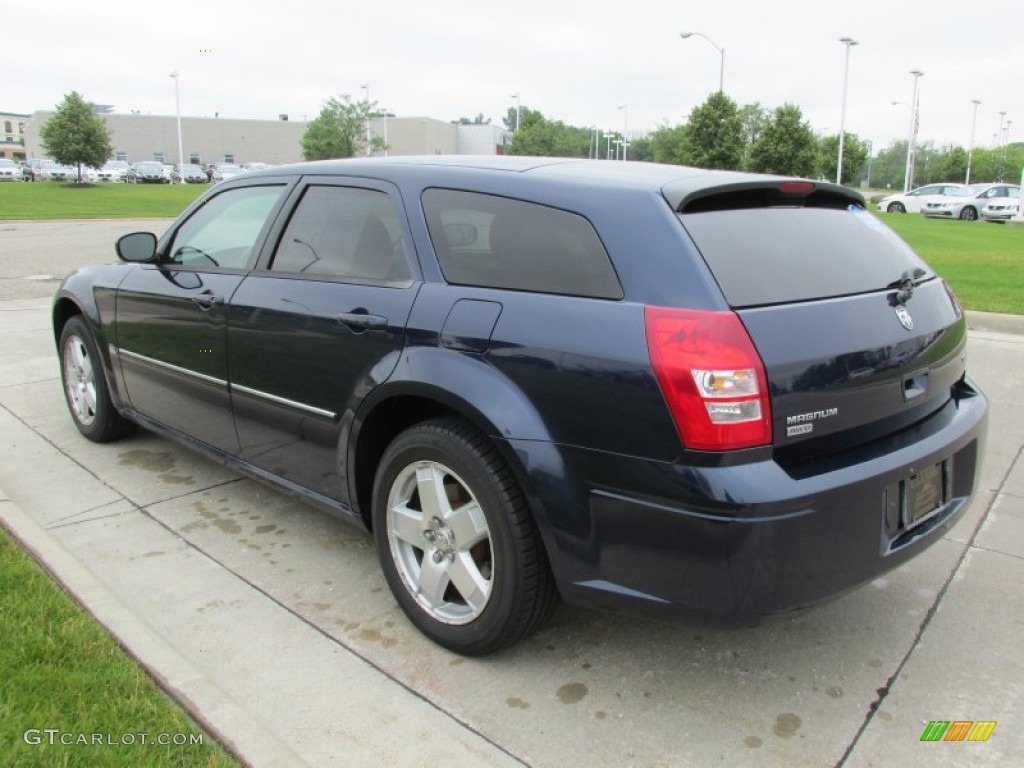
(924, 494)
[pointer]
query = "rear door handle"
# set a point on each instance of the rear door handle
(207, 301)
(363, 320)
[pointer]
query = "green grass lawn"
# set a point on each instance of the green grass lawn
(983, 262)
(61, 670)
(56, 200)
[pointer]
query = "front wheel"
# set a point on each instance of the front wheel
(85, 385)
(896, 208)
(456, 540)
(969, 213)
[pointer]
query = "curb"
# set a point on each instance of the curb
(994, 322)
(178, 677)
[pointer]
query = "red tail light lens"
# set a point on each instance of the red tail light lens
(711, 376)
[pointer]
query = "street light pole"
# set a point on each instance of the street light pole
(516, 97)
(721, 53)
(970, 152)
(366, 87)
(912, 138)
(177, 110)
(849, 42)
(625, 125)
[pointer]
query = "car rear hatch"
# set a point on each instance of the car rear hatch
(858, 336)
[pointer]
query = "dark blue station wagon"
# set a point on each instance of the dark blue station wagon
(635, 386)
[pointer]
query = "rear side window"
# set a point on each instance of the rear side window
(780, 255)
(497, 242)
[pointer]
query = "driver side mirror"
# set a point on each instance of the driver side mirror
(136, 247)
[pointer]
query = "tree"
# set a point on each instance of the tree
(478, 120)
(786, 146)
(340, 130)
(953, 165)
(714, 135)
(855, 155)
(76, 135)
(668, 144)
(541, 137)
(755, 118)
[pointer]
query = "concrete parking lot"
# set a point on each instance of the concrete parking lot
(270, 620)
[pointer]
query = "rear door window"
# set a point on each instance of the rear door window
(345, 233)
(498, 242)
(776, 255)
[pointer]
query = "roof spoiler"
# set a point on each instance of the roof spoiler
(760, 193)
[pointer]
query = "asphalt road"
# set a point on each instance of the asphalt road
(271, 621)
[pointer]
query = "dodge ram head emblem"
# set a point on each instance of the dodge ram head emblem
(904, 317)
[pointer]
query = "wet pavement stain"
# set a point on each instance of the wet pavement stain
(786, 725)
(753, 741)
(515, 702)
(173, 479)
(154, 461)
(266, 528)
(210, 518)
(373, 636)
(155, 553)
(571, 693)
(600, 714)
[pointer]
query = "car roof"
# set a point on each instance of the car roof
(677, 183)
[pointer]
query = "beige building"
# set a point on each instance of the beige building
(12, 136)
(219, 139)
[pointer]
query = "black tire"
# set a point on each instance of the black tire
(896, 208)
(85, 386)
(969, 213)
(482, 535)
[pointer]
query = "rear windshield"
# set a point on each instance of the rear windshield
(780, 255)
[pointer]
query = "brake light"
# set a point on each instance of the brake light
(711, 376)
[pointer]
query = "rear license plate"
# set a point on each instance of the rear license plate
(925, 493)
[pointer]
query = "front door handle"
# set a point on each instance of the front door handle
(206, 301)
(363, 320)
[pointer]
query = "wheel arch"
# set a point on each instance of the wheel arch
(464, 386)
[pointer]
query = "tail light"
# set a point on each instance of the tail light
(711, 376)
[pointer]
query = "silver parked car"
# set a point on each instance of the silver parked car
(192, 173)
(912, 201)
(967, 204)
(10, 170)
(113, 170)
(1002, 209)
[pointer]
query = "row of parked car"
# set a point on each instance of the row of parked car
(142, 172)
(989, 202)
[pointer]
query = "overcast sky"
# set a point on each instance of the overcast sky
(574, 61)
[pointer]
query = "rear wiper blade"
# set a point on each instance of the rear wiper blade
(906, 284)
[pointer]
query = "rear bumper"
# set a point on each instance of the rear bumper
(757, 538)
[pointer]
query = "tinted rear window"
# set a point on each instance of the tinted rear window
(779, 255)
(498, 242)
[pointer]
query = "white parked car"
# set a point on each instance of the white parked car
(967, 204)
(10, 170)
(911, 202)
(113, 171)
(1002, 209)
(224, 171)
(48, 170)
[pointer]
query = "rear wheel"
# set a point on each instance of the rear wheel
(456, 540)
(896, 208)
(85, 386)
(969, 213)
